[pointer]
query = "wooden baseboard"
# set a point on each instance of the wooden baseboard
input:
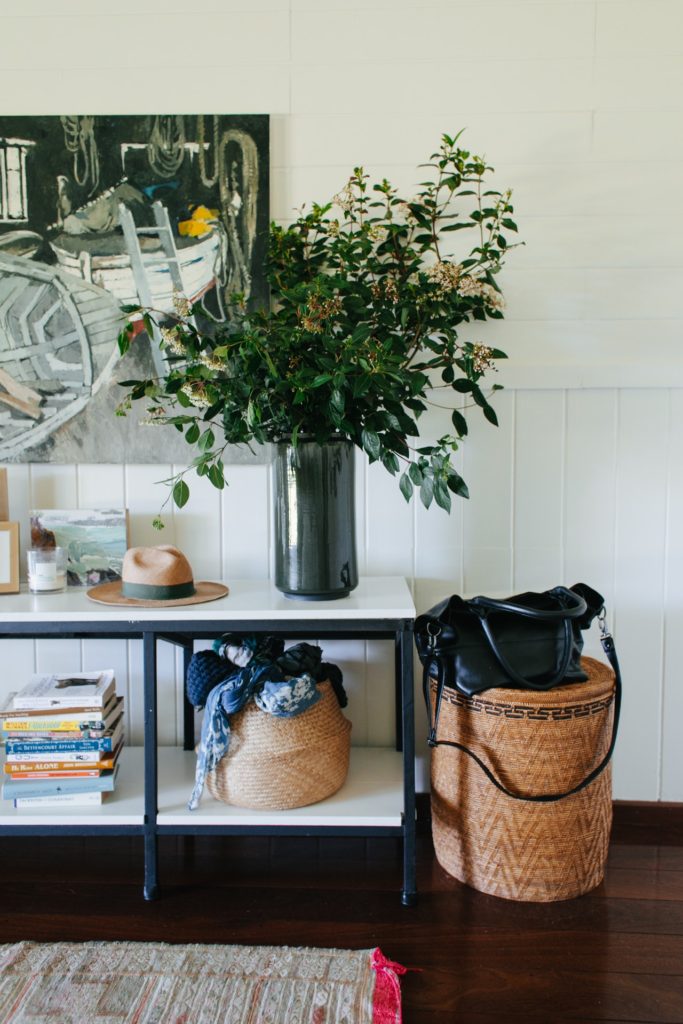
(650, 821)
(635, 821)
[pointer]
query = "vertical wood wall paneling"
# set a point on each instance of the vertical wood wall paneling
(488, 468)
(672, 703)
(640, 521)
(538, 511)
(245, 523)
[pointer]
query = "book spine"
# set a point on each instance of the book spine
(46, 787)
(88, 703)
(50, 724)
(43, 736)
(41, 748)
(27, 772)
(60, 799)
(21, 767)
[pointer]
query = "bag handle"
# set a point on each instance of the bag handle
(545, 682)
(574, 607)
(609, 649)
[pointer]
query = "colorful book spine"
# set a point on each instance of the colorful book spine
(27, 767)
(15, 788)
(52, 744)
(31, 772)
(89, 758)
(70, 721)
(54, 724)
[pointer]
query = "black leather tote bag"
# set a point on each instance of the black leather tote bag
(530, 641)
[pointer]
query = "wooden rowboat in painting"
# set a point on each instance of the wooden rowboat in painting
(106, 261)
(57, 346)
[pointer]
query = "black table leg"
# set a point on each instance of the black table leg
(151, 888)
(404, 666)
(188, 710)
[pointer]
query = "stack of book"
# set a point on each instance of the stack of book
(63, 736)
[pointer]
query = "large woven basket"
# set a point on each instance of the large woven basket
(535, 743)
(275, 763)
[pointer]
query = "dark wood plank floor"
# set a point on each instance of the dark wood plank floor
(615, 954)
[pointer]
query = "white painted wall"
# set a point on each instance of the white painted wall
(577, 103)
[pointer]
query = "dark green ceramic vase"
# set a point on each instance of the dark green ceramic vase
(315, 533)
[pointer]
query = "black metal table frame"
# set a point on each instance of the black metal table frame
(183, 633)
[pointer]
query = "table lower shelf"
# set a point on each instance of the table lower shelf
(372, 797)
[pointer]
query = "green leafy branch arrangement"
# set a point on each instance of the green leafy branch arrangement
(364, 327)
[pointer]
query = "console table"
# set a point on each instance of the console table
(154, 782)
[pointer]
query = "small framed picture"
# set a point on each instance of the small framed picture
(95, 541)
(9, 558)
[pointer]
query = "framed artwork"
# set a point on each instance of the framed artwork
(97, 212)
(9, 558)
(95, 541)
(4, 497)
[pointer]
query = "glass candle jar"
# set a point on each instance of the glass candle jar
(46, 570)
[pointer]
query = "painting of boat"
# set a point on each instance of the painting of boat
(102, 212)
(57, 346)
(106, 262)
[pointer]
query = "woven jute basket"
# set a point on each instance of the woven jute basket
(535, 743)
(275, 763)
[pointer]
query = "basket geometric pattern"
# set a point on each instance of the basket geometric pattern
(276, 763)
(535, 743)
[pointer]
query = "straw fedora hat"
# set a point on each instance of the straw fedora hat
(156, 577)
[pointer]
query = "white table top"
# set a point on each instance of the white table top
(375, 597)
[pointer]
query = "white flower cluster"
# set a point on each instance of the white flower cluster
(482, 358)
(378, 233)
(345, 198)
(444, 275)
(211, 361)
(172, 341)
(481, 289)
(196, 392)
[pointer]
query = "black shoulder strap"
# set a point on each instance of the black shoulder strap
(611, 655)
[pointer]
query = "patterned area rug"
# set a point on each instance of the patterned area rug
(157, 983)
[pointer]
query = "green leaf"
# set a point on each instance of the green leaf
(149, 325)
(415, 473)
(181, 493)
(207, 440)
(441, 495)
(322, 378)
(406, 486)
(371, 444)
(216, 476)
(459, 422)
(490, 414)
(456, 484)
(192, 434)
(427, 491)
(337, 401)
